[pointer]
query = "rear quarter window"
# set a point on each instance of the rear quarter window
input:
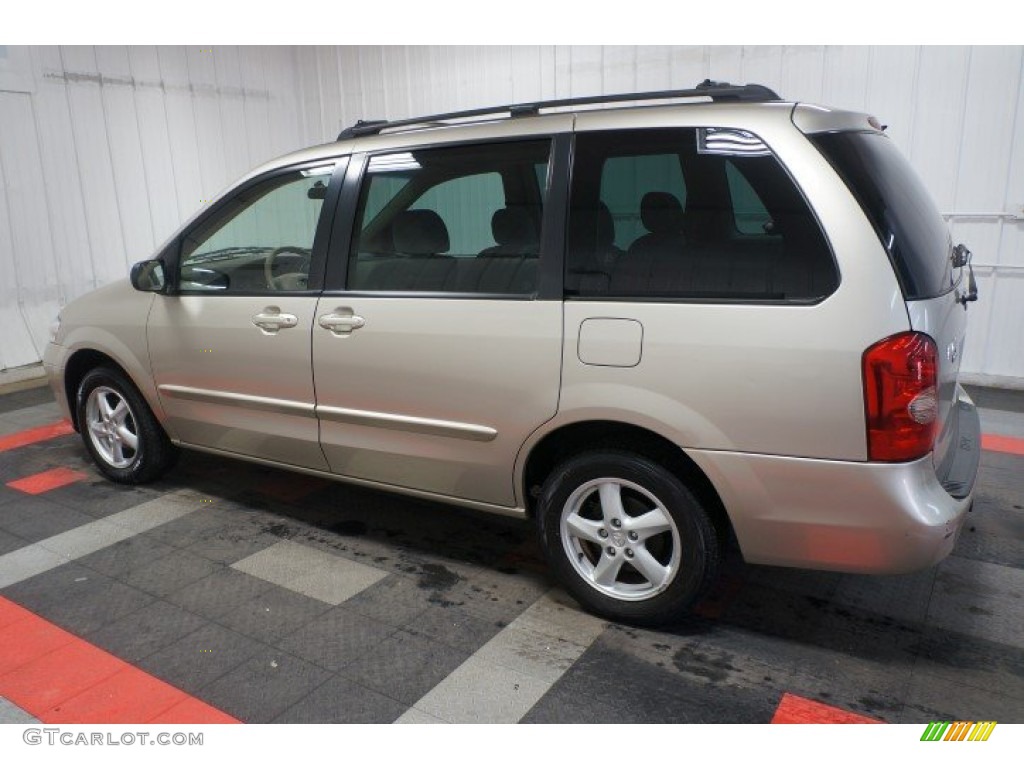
(899, 207)
(690, 214)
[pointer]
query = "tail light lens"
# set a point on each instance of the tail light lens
(900, 400)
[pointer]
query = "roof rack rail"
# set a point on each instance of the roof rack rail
(716, 91)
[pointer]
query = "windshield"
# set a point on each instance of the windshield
(899, 207)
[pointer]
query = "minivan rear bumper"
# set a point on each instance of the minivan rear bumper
(858, 517)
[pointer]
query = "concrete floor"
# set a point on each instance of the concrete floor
(273, 597)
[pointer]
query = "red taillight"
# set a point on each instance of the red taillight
(900, 399)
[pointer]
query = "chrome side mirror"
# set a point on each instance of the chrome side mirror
(149, 276)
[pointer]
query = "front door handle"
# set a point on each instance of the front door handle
(341, 325)
(272, 319)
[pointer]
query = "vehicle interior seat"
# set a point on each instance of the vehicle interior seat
(422, 261)
(594, 232)
(653, 258)
(421, 242)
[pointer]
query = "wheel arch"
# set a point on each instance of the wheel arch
(570, 439)
(83, 360)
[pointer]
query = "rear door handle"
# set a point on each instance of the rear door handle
(341, 325)
(272, 319)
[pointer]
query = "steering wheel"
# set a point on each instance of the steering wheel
(291, 281)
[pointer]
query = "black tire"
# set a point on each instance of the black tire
(153, 454)
(632, 598)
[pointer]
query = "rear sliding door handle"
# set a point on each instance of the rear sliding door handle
(341, 325)
(272, 319)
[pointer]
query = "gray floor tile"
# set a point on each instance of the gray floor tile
(219, 593)
(33, 518)
(170, 573)
(996, 397)
(183, 504)
(25, 563)
(478, 692)
(1001, 483)
(310, 571)
(337, 582)
(935, 698)
(341, 700)
(201, 657)
(146, 631)
(8, 427)
(559, 616)
(9, 542)
(903, 598)
(336, 638)
(40, 457)
(990, 548)
(560, 707)
(393, 600)
(8, 494)
(99, 497)
(539, 655)
(994, 531)
(86, 539)
(979, 599)
(56, 585)
(126, 557)
(263, 687)
(282, 562)
(232, 542)
(34, 415)
(189, 529)
(273, 614)
(454, 626)
(25, 398)
(404, 666)
(413, 716)
(657, 694)
(971, 661)
(78, 599)
(998, 422)
(494, 595)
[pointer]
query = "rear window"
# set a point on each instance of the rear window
(898, 206)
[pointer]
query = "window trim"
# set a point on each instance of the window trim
(318, 256)
(724, 301)
(552, 243)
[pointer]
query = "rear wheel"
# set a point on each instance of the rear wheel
(627, 537)
(119, 430)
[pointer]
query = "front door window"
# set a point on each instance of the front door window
(259, 242)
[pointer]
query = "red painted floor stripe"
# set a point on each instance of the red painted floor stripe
(28, 639)
(192, 711)
(60, 678)
(10, 613)
(47, 481)
(1003, 444)
(35, 435)
(798, 710)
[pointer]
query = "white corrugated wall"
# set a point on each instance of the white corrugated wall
(957, 112)
(104, 150)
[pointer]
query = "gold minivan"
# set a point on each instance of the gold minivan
(648, 327)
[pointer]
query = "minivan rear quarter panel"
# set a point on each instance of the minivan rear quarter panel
(749, 377)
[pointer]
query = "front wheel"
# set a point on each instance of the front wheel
(627, 537)
(119, 430)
